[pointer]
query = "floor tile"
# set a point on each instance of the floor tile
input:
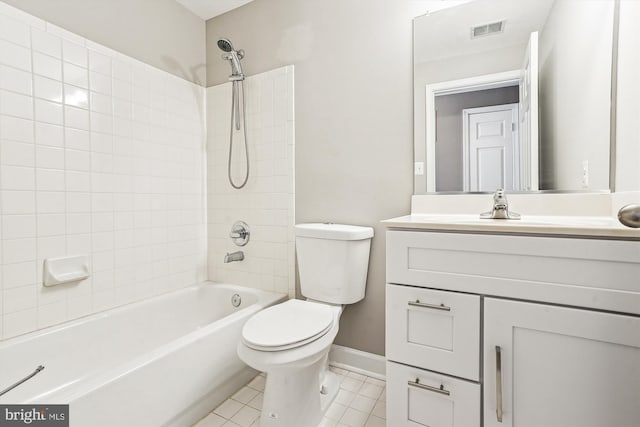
(256, 402)
(369, 390)
(335, 411)
(351, 384)
(246, 416)
(211, 420)
(245, 394)
(326, 422)
(381, 383)
(257, 383)
(354, 418)
(374, 421)
(356, 376)
(345, 397)
(361, 402)
(380, 409)
(228, 408)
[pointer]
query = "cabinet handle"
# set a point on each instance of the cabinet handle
(440, 389)
(499, 383)
(417, 303)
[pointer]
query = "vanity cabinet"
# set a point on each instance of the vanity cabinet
(512, 330)
(559, 366)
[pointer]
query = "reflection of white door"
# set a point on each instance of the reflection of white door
(529, 115)
(490, 148)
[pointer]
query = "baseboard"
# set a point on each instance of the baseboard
(361, 362)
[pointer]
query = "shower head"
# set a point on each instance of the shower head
(233, 56)
(225, 45)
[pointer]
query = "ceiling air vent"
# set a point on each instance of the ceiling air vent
(487, 29)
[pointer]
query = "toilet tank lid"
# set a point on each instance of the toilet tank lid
(333, 231)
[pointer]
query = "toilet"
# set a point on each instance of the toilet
(291, 341)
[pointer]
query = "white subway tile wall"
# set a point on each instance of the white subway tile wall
(267, 201)
(100, 154)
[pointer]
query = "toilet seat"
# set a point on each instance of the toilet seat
(291, 324)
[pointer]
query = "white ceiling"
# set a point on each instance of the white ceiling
(207, 9)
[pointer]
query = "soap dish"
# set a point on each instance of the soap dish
(65, 270)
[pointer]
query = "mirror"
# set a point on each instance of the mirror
(513, 94)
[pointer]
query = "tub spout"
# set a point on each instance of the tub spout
(234, 256)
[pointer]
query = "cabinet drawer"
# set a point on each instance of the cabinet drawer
(600, 274)
(416, 397)
(432, 329)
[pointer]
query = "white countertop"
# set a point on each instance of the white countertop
(586, 226)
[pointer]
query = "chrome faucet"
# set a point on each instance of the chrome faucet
(234, 256)
(500, 208)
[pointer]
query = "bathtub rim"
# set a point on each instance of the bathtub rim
(263, 298)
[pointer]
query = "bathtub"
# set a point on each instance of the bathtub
(165, 361)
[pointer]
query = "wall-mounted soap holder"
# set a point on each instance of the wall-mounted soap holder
(65, 270)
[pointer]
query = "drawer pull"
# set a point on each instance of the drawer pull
(440, 390)
(499, 383)
(417, 303)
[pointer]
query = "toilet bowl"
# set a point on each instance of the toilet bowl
(296, 391)
(291, 341)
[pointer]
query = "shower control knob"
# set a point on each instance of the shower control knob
(240, 233)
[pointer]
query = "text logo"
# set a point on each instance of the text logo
(34, 415)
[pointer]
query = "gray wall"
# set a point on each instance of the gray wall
(449, 124)
(161, 33)
(354, 118)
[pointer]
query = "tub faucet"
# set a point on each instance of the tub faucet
(234, 256)
(500, 208)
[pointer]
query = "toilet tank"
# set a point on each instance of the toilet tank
(333, 260)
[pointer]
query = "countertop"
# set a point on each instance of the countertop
(572, 226)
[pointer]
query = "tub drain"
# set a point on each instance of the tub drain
(236, 300)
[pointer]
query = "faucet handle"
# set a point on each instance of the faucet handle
(500, 208)
(499, 199)
(240, 233)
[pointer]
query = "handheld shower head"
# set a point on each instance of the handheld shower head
(225, 45)
(233, 56)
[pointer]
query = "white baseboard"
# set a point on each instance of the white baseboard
(361, 362)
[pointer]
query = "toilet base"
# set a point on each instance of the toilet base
(298, 397)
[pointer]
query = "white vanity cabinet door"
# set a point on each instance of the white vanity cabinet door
(433, 329)
(560, 366)
(416, 397)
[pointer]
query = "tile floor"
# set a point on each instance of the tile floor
(361, 402)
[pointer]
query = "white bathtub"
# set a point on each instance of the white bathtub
(164, 361)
